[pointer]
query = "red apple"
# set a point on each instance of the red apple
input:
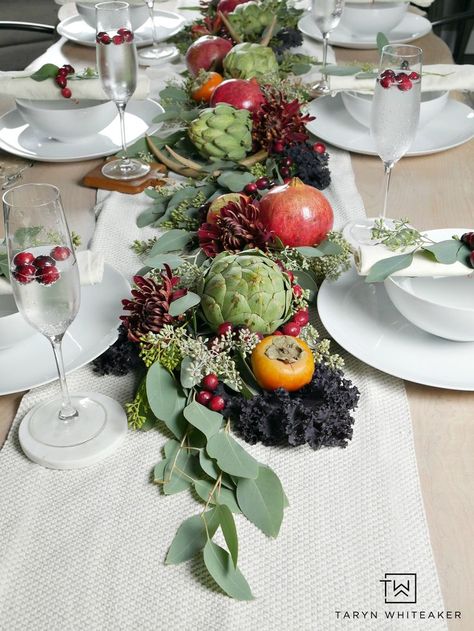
(207, 53)
(221, 201)
(227, 6)
(299, 214)
(240, 93)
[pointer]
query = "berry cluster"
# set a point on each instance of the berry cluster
(61, 80)
(402, 80)
(123, 36)
(298, 321)
(40, 268)
(207, 396)
(468, 239)
(262, 184)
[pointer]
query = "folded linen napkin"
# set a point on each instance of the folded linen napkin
(19, 85)
(365, 256)
(91, 270)
(434, 77)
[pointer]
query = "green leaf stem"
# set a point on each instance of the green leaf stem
(382, 269)
(229, 578)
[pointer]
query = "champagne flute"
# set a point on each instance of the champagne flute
(157, 53)
(73, 431)
(117, 66)
(394, 120)
(327, 15)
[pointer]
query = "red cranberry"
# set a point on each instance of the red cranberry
(104, 39)
(387, 73)
(118, 39)
(319, 147)
(290, 275)
(128, 37)
(203, 397)
(62, 72)
(43, 261)
(414, 76)
(47, 275)
(262, 183)
(291, 328)
(405, 85)
(251, 188)
(225, 328)
(69, 69)
(25, 274)
(61, 81)
(210, 382)
(284, 171)
(60, 253)
(277, 333)
(297, 290)
(386, 82)
(66, 93)
(467, 238)
(401, 76)
(23, 258)
(287, 180)
(217, 404)
(301, 317)
(278, 147)
(287, 162)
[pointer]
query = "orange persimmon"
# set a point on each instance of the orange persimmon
(204, 86)
(282, 361)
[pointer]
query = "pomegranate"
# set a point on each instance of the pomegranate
(298, 214)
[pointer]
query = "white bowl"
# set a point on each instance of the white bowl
(366, 20)
(443, 306)
(13, 327)
(138, 11)
(359, 106)
(67, 120)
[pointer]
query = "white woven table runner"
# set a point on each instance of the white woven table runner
(84, 550)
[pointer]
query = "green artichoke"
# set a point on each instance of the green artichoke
(250, 20)
(246, 289)
(246, 61)
(222, 133)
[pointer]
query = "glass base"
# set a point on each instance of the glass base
(159, 53)
(359, 231)
(130, 169)
(322, 88)
(84, 440)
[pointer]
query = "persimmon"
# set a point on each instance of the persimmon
(204, 85)
(282, 361)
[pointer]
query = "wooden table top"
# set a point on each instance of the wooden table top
(434, 191)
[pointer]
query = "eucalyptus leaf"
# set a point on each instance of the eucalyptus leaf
(171, 448)
(160, 260)
(171, 241)
(330, 248)
(165, 399)
(187, 378)
(192, 536)
(222, 496)
(235, 181)
(299, 68)
(180, 471)
(148, 216)
(229, 578)
(310, 251)
(307, 281)
(262, 501)
(47, 71)
(445, 251)
(382, 269)
(208, 465)
(174, 93)
(227, 524)
(207, 421)
(159, 472)
(341, 71)
(382, 40)
(366, 75)
(231, 457)
(463, 255)
(180, 305)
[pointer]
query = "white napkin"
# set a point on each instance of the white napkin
(91, 270)
(434, 77)
(19, 85)
(365, 256)
(420, 3)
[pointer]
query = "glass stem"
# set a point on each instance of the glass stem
(150, 5)
(121, 111)
(325, 55)
(388, 166)
(67, 411)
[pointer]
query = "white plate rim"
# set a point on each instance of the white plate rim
(412, 153)
(63, 29)
(132, 107)
(330, 322)
(425, 28)
(117, 281)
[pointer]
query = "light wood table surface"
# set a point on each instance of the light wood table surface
(434, 191)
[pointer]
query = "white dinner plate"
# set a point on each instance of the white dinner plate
(410, 28)
(21, 139)
(167, 24)
(30, 363)
(333, 124)
(362, 319)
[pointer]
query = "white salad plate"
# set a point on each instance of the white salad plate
(21, 139)
(410, 28)
(30, 363)
(333, 124)
(362, 319)
(167, 24)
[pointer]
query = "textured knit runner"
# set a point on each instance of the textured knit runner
(84, 550)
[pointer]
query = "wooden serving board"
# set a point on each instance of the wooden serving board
(154, 177)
